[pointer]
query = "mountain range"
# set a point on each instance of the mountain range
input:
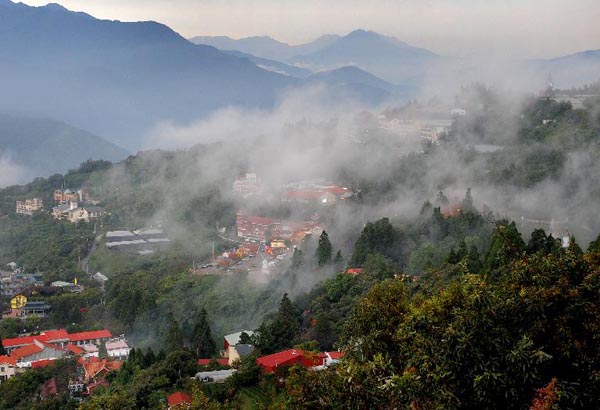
(118, 80)
(413, 68)
(266, 47)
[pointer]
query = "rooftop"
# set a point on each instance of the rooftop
(117, 344)
(95, 334)
(179, 398)
(8, 360)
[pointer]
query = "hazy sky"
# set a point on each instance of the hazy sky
(532, 28)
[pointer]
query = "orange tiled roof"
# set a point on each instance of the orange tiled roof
(52, 335)
(92, 368)
(76, 350)
(9, 360)
(25, 351)
(95, 334)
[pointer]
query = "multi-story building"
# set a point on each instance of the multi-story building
(66, 196)
(29, 206)
(248, 184)
(85, 213)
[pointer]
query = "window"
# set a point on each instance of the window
(2, 369)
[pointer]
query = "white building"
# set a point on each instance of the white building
(118, 349)
(8, 368)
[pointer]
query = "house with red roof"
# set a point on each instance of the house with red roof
(289, 358)
(8, 368)
(354, 271)
(96, 369)
(179, 400)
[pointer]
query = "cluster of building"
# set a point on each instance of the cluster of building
(233, 352)
(25, 292)
(143, 241)
(76, 206)
(262, 229)
(41, 350)
(29, 206)
(74, 212)
(13, 282)
(68, 196)
(433, 130)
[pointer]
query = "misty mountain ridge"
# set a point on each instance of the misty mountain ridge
(42, 147)
(119, 79)
(272, 65)
(265, 46)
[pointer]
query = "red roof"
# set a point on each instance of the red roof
(179, 398)
(9, 360)
(354, 271)
(258, 220)
(21, 341)
(76, 350)
(93, 368)
(288, 358)
(335, 355)
(41, 363)
(206, 362)
(51, 346)
(94, 334)
(56, 335)
(25, 351)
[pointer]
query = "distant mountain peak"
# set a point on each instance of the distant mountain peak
(54, 6)
(363, 33)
